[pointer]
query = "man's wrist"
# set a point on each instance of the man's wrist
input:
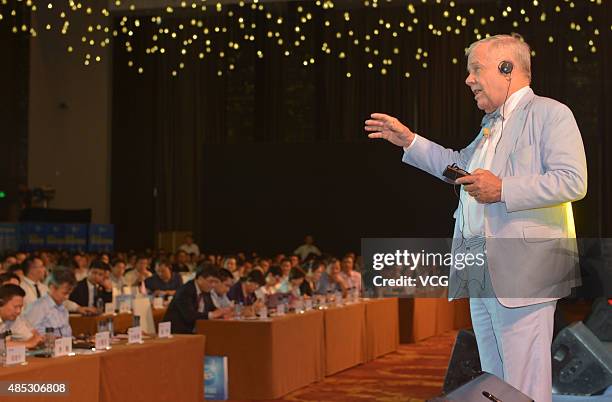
(411, 143)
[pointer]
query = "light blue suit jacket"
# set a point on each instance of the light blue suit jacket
(541, 161)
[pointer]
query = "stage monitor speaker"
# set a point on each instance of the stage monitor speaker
(485, 388)
(599, 320)
(581, 363)
(464, 363)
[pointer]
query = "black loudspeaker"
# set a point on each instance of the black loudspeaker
(485, 387)
(599, 320)
(464, 363)
(581, 364)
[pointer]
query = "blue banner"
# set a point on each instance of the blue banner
(9, 237)
(54, 236)
(75, 237)
(33, 236)
(215, 377)
(101, 237)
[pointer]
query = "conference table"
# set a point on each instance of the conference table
(169, 369)
(268, 358)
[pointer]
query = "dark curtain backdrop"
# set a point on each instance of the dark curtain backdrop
(257, 156)
(14, 79)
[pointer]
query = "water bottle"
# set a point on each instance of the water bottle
(100, 305)
(111, 327)
(2, 349)
(238, 311)
(49, 341)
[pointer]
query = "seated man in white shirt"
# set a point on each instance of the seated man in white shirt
(219, 292)
(350, 276)
(49, 310)
(34, 273)
(189, 246)
(11, 303)
(136, 277)
(116, 275)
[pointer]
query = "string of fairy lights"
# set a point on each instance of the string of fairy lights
(219, 32)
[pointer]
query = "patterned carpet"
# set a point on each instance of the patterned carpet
(413, 374)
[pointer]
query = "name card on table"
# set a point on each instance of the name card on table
(164, 330)
(63, 347)
(109, 308)
(124, 307)
(15, 355)
(158, 302)
(103, 340)
(134, 335)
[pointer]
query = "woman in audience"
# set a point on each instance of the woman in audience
(243, 292)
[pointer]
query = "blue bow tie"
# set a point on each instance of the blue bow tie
(490, 118)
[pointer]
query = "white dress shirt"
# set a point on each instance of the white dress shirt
(29, 288)
(471, 212)
(20, 329)
(45, 313)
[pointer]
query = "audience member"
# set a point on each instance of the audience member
(351, 277)
(189, 246)
(219, 292)
(307, 248)
(193, 302)
(9, 278)
(293, 282)
(137, 276)
(312, 284)
(286, 266)
(34, 273)
(89, 290)
(182, 258)
(48, 311)
(11, 303)
(243, 291)
(116, 275)
(165, 282)
(332, 281)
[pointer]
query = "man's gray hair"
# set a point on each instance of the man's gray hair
(515, 43)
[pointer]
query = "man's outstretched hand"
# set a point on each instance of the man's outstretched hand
(483, 185)
(380, 125)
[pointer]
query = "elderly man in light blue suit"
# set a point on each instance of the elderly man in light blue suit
(526, 165)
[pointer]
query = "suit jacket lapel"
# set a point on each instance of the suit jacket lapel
(512, 130)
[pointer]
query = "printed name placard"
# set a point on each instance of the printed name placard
(158, 302)
(15, 355)
(134, 335)
(124, 307)
(103, 340)
(164, 330)
(109, 308)
(63, 347)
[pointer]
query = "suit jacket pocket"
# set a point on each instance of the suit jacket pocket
(522, 161)
(541, 233)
